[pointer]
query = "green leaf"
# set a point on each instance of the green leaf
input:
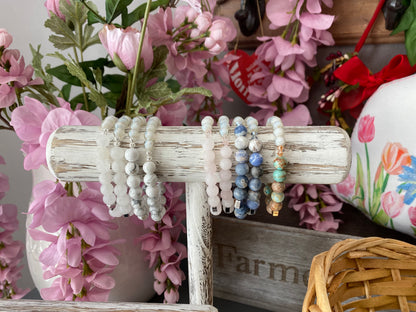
(114, 83)
(138, 13)
(39, 72)
(113, 8)
(66, 91)
(79, 99)
(92, 18)
(74, 11)
(173, 85)
(381, 218)
(410, 43)
(158, 90)
(89, 38)
(64, 38)
(111, 99)
(61, 72)
(359, 182)
(407, 19)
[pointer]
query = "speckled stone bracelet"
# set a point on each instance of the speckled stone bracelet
(255, 160)
(140, 208)
(226, 165)
(241, 156)
(210, 167)
(104, 162)
(118, 165)
(154, 189)
(275, 192)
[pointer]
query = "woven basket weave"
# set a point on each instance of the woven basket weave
(369, 274)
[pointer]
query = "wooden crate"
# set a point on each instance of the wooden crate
(265, 265)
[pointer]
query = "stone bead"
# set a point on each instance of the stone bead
(279, 141)
(278, 132)
(224, 119)
(267, 190)
(275, 206)
(278, 187)
(209, 156)
(132, 155)
(212, 190)
(256, 159)
(241, 156)
(255, 145)
(226, 152)
(253, 195)
(117, 166)
(214, 201)
(255, 184)
(117, 153)
(238, 121)
(207, 120)
(225, 175)
(225, 184)
(242, 168)
(135, 193)
(279, 162)
(211, 178)
(149, 145)
(240, 130)
(150, 179)
(256, 172)
(149, 167)
(106, 177)
(132, 168)
(241, 142)
(241, 181)
(274, 213)
(227, 195)
(279, 175)
(240, 213)
(225, 164)
(239, 193)
(208, 145)
(253, 204)
(109, 199)
(209, 166)
(277, 197)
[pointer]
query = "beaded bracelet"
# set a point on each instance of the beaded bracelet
(132, 156)
(241, 169)
(276, 190)
(154, 189)
(210, 167)
(118, 166)
(104, 162)
(225, 165)
(256, 160)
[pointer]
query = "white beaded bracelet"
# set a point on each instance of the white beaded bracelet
(154, 189)
(212, 189)
(118, 165)
(225, 165)
(132, 156)
(104, 162)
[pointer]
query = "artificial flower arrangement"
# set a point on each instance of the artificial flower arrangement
(178, 71)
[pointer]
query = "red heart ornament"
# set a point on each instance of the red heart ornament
(241, 69)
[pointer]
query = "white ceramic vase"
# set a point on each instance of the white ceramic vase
(133, 277)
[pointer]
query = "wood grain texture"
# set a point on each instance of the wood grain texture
(351, 18)
(265, 265)
(45, 306)
(314, 154)
(199, 234)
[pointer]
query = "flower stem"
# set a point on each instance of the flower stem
(130, 94)
(368, 175)
(102, 19)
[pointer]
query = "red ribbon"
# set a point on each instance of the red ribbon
(355, 72)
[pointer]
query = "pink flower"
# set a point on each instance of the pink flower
(203, 22)
(278, 12)
(412, 215)
(366, 129)
(5, 38)
(221, 31)
(172, 114)
(4, 183)
(161, 25)
(124, 44)
(392, 203)
(53, 7)
(346, 187)
(394, 157)
(34, 124)
(7, 96)
(172, 295)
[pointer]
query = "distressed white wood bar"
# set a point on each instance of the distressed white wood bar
(314, 154)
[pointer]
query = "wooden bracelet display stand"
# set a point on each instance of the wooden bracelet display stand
(315, 155)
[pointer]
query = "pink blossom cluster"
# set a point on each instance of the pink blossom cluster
(34, 123)
(315, 204)
(53, 7)
(165, 252)
(194, 40)
(14, 74)
(11, 251)
(80, 255)
(282, 81)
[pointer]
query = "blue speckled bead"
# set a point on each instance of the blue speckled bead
(242, 168)
(241, 156)
(279, 163)
(241, 181)
(278, 197)
(279, 175)
(240, 194)
(267, 190)
(256, 172)
(253, 204)
(240, 213)
(255, 196)
(254, 184)
(240, 130)
(256, 159)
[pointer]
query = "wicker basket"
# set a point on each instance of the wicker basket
(369, 274)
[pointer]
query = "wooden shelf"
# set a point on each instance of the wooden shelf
(352, 16)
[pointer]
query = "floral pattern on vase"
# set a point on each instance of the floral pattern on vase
(382, 179)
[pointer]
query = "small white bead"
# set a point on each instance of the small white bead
(152, 191)
(214, 201)
(241, 142)
(208, 145)
(238, 121)
(211, 178)
(133, 181)
(162, 200)
(105, 178)
(106, 188)
(280, 141)
(149, 145)
(255, 145)
(117, 153)
(151, 201)
(109, 199)
(212, 190)
(278, 131)
(209, 156)
(132, 155)
(132, 168)
(149, 167)
(226, 152)
(208, 120)
(135, 193)
(150, 179)
(119, 190)
(118, 166)
(224, 119)
(119, 178)
(225, 164)
(225, 184)
(150, 135)
(225, 175)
